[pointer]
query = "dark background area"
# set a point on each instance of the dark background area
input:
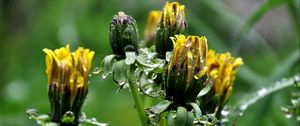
(265, 33)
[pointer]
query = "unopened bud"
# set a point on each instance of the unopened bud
(123, 35)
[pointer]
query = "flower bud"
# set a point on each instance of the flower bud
(152, 24)
(68, 75)
(186, 73)
(222, 69)
(123, 35)
(172, 23)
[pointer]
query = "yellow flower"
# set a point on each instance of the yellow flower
(222, 69)
(173, 15)
(172, 23)
(152, 23)
(186, 72)
(68, 74)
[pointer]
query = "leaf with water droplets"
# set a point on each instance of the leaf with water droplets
(83, 118)
(148, 60)
(130, 58)
(162, 106)
(252, 98)
(106, 66)
(168, 56)
(120, 73)
(39, 118)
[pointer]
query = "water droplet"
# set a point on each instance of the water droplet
(288, 115)
(224, 112)
(32, 113)
(83, 116)
(262, 92)
(104, 75)
(284, 109)
(68, 117)
(153, 76)
(93, 119)
(243, 107)
(295, 101)
(223, 120)
(96, 70)
(122, 83)
(241, 113)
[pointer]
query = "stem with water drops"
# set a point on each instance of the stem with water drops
(256, 96)
(136, 97)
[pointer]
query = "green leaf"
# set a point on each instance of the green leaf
(171, 119)
(106, 66)
(181, 116)
(190, 119)
(196, 109)
(206, 89)
(157, 109)
(120, 73)
(130, 58)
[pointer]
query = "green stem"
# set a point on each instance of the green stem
(137, 100)
(258, 95)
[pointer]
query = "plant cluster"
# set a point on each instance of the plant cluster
(192, 82)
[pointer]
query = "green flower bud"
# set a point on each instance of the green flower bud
(172, 23)
(186, 73)
(123, 35)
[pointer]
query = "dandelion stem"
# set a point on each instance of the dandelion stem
(137, 99)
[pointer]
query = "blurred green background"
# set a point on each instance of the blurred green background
(265, 33)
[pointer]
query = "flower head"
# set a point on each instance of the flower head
(152, 23)
(186, 73)
(222, 69)
(173, 16)
(123, 34)
(172, 23)
(68, 74)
